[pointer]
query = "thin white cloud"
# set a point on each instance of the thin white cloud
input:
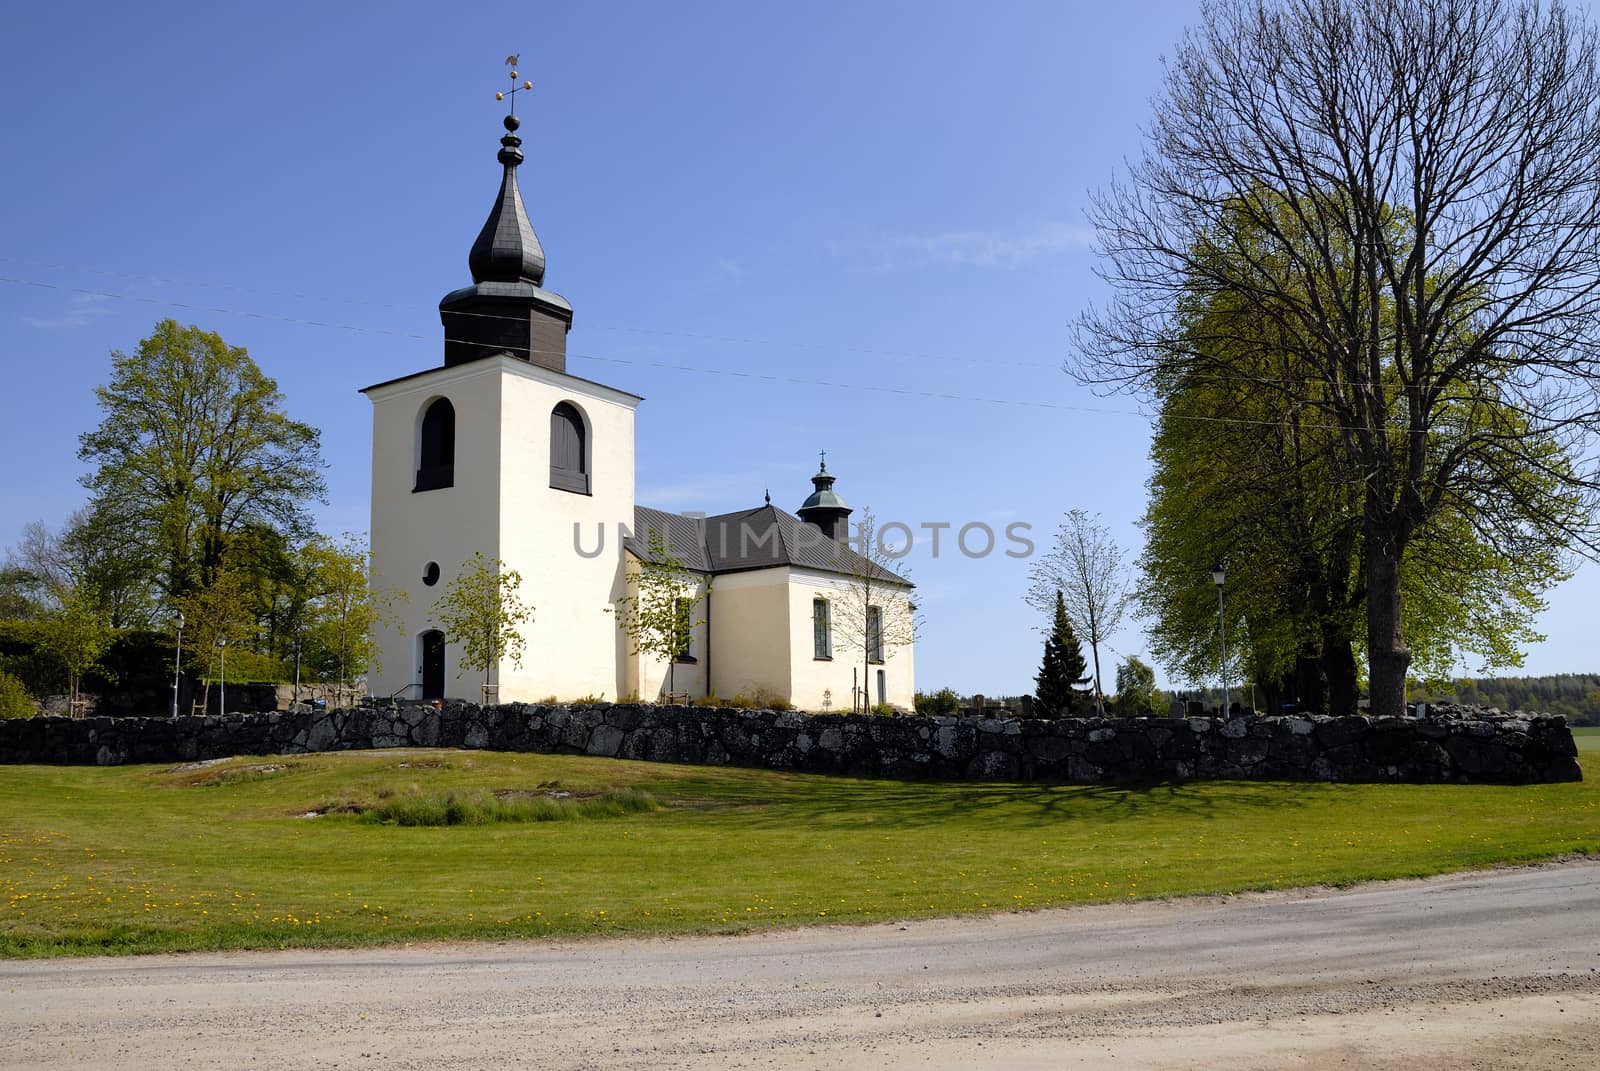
(980, 249)
(729, 267)
(81, 310)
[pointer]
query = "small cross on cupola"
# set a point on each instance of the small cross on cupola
(506, 310)
(823, 508)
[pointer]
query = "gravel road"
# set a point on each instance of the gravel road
(1483, 970)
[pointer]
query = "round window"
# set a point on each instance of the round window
(430, 574)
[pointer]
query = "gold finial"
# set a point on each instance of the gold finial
(511, 61)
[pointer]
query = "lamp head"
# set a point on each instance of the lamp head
(1219, 575)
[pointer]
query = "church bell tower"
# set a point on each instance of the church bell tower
(500, 451)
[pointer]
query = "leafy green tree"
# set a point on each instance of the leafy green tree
(15, 701)
(944, 702)
(99, 550)
(77, 632)
(482, 611)
(1062, 672)
(344, 607)
(1248, 471)
(193, 447)
(214, 616)
(19, 593)
(1137, 694)
(90, 549)
(1425, 185)
(663, 606)
(277, 578)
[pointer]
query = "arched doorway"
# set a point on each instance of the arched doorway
(432, 643)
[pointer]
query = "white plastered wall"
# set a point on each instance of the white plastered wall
(647, 675)
(750, 632)
(502, 504)
(446, 525)
(566, 545)
(812, 678)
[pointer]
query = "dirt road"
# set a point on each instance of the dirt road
(1492, 970)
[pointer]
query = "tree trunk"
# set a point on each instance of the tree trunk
(1387, 654)
(1099, 704)
(1277, 691)
(1338, 665)
(1310, 691)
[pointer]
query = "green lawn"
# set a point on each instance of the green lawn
(148, 858)
(1588, 738)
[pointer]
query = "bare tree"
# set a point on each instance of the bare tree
(872, 613)
(1086, 567)
(1409, 192)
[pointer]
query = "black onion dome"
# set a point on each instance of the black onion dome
(507, 250)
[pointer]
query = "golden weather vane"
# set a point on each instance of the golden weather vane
(511, 61)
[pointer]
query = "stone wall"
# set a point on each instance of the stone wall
(1449, 744)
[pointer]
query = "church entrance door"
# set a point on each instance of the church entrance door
(432, 664)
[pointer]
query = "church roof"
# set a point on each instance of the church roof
(542, 371)
(759, 538)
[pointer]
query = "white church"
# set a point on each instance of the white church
(501, 451)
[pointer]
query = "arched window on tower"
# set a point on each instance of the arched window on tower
(436, 454)
(569, 454)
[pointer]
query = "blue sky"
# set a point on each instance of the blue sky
(873, 198)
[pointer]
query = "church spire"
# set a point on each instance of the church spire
(506, 311)
(507, 250)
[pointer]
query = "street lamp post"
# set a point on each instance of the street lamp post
(222, 690)
(177, 668)
(1219, 576)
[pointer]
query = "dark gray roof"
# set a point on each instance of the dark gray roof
(759, 538)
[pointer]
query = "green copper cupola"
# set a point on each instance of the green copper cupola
(823, 507)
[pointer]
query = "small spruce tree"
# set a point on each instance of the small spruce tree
(1062, 672)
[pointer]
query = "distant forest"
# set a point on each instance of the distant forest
(1577, 695)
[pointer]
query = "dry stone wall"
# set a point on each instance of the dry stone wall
(1448, 744)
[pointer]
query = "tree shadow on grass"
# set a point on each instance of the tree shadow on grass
(851, 802)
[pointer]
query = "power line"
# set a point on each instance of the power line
(676, 367)
(896, 355)
(665, 365)
(826, 347)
